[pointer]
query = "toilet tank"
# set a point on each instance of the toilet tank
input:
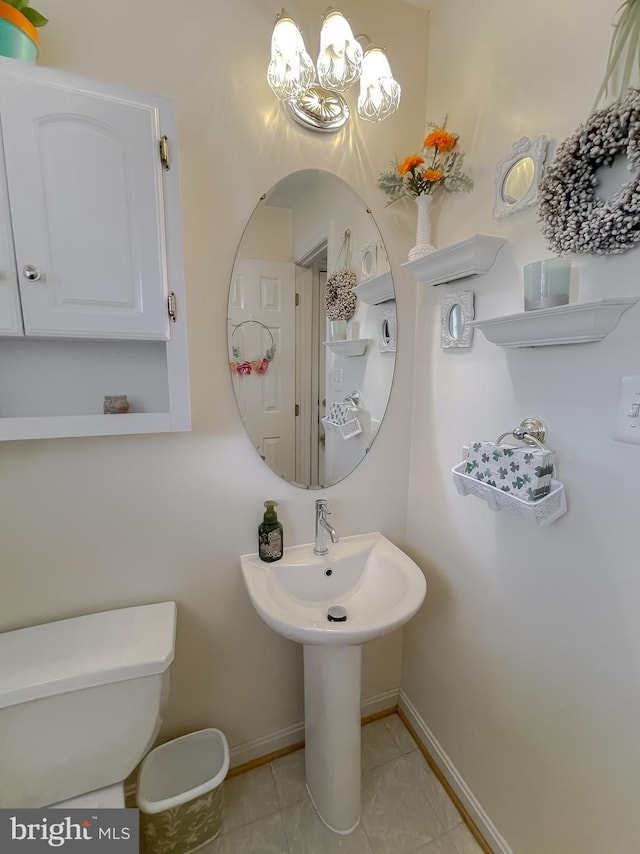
(80, 701)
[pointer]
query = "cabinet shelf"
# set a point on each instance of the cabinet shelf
(351, 347)
(67, 426)
(577, 323)
(376, 290)
(472, 257)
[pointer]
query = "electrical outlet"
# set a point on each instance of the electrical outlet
(627, 425)
(337, 379)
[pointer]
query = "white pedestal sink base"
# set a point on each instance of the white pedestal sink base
(332, 733)
(380, 588)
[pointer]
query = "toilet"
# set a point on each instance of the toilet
(80, 705)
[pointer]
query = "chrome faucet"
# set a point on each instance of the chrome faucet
(323, 528)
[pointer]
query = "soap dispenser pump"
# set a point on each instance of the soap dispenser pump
(270, 539)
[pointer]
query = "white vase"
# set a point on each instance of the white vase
(423, 229)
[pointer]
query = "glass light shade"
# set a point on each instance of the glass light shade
(379, 92)
(340, 57)
(291, 70)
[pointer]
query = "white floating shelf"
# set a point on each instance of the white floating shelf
(576, 323)
(355, 347)
(537, 513)
(376, 290)
(472, 257)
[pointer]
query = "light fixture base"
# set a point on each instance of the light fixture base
(319, 110)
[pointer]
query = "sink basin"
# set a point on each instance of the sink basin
(377, 584)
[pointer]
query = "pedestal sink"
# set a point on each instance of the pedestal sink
(332, 604)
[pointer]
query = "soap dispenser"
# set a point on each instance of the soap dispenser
(270, 540)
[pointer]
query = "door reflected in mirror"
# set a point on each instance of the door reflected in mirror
(287, 369)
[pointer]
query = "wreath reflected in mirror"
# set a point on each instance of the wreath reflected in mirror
(573, 217)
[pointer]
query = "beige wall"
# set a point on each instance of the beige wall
(89, 524)
(524, 661)
(268, 234)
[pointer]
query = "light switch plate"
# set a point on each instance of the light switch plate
(627, 424)
(337, 379)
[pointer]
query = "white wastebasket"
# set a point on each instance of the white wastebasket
(179, 792)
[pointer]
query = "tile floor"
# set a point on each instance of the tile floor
(405, 810)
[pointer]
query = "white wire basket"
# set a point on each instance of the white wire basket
(342, 420)
(539, 513)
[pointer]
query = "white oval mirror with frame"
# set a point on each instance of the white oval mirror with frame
(369, 262)
(455, 313)
(518, 176)
(456, 321)
(387, 324)
(287, 372)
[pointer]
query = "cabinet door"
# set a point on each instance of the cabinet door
(10, 317)
(85, 190)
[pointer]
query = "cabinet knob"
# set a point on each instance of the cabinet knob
(31, 273)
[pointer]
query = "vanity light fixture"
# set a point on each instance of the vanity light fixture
(379, 92)
(291, 70)
(340, 58)
(317, 102)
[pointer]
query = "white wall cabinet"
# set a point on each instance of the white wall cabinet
(90, 258)
(10, 315)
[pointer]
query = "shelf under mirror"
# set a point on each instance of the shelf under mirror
(376, 290)
(350, 347)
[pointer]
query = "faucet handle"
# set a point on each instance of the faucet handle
(321, 507)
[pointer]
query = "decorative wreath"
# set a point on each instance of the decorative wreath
(573, 218)
(340, 301)
(259, 364)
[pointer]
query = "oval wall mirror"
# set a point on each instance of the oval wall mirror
(518, 175)
(455, 313)
(311, 404)
(456, 321)
(518, 181)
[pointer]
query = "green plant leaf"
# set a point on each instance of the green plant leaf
(456, 181)
(392, 183)
(36, 18)
(625, 37)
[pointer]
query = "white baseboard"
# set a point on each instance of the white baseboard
(259, 747)
(380, 703)
(479, 817)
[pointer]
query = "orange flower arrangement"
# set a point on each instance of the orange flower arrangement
(440, 139)
(422, 174)
(409, 164)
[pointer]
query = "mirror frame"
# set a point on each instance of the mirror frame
(369, 262)
(463, 301)
(387, 329)
(524, 147)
